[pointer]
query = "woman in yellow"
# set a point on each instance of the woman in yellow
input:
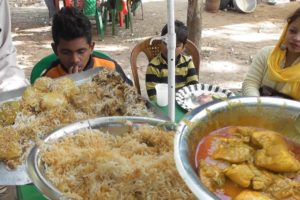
(275, 71)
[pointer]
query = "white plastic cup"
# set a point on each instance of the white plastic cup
(161, 94)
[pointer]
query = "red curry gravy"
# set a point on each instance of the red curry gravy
(206, 145)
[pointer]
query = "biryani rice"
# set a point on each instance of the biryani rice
(38, 116)
(96, 165)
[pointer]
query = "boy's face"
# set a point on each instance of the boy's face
(178, 50)
(74, 54)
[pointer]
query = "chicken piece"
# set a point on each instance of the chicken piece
(251, 195)
(203, 98)
(52, 100)
(119, 92)
(87, 97)
(274, 155)
(241, 132)
(43, 84)
(211, 175)
(108, 77)
(8, 112)
(277, 160)
(31, 98)
(233, 151)
(264, 139)
(9, 144)
(240, 174)
(262, 178)
(285, 188)
(65, 86)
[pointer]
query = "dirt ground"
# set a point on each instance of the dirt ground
(230, 39)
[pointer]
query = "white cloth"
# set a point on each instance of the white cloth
(11, 77)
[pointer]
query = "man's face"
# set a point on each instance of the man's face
(74, 54)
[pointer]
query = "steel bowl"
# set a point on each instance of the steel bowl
(113, 125)
(246, 6)
(276, 114)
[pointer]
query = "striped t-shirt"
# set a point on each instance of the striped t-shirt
(157, 72)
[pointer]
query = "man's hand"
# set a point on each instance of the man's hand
(74, 69)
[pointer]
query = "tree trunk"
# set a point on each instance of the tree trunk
(194, 21)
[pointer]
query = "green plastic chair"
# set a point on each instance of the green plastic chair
(41, 67)
(134, 4)
(91, 10)
(114, 11)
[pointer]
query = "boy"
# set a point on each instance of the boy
(72, 35)
(157, 70)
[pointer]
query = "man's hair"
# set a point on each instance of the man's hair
(180, 30)
(70, 23)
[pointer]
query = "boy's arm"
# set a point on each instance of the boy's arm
(192, 76)
(152, 78)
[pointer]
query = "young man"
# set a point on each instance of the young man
(72, 35)
(157, 70)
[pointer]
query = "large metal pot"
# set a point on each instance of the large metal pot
(113, 125)
(276, 114)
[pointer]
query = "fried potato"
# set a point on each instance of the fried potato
(65, 86)
(52, 99)
(43, 84)
(31, 98)
(9, 144)
(8, 112)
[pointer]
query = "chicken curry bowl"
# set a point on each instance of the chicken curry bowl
(242, 162)
(241, 148)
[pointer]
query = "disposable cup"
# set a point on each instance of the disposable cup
(161, 94)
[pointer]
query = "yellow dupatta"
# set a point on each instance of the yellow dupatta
(290, 75)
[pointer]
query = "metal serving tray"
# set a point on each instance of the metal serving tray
(19, 176)
(114, 125)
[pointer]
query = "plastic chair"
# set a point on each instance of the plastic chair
(153, 50)
(92, 9)
(41, 67)
(115, 9)
(134, 4)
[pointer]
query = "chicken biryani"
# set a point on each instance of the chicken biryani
(49, 103)
(92, 164)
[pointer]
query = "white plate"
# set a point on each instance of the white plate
(184, 96)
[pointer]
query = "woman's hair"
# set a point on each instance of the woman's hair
(70, 23)
(180, 30)
(294, 16)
